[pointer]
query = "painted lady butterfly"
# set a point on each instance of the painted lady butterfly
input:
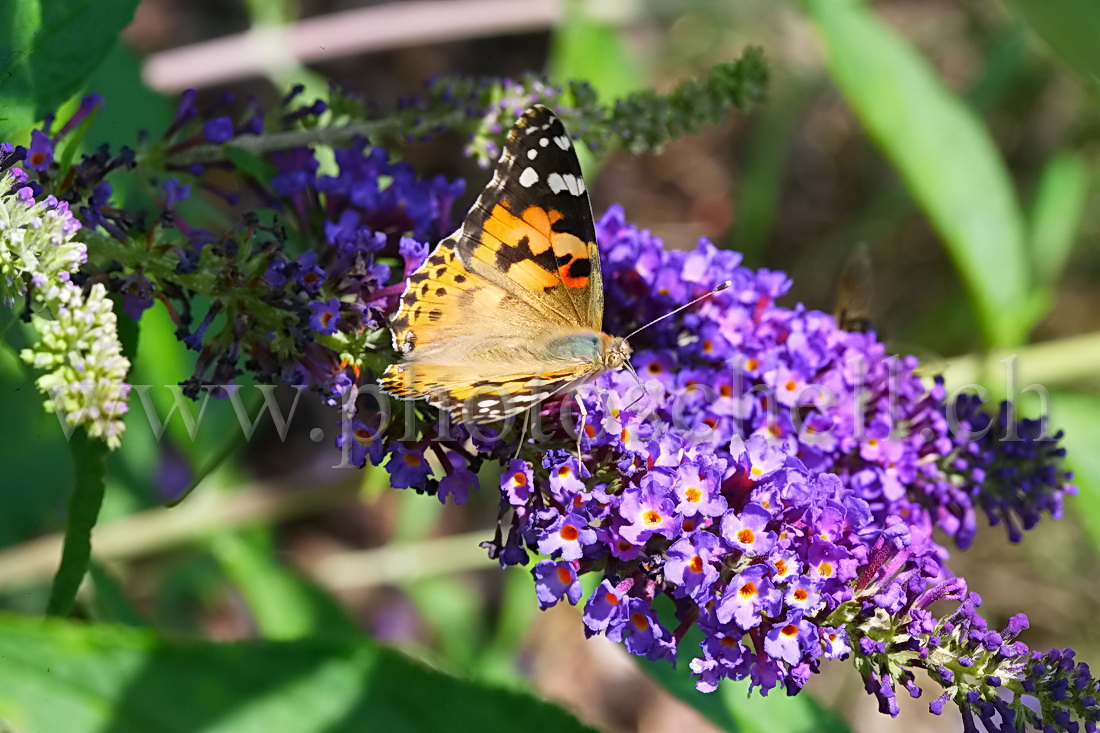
(507, 311)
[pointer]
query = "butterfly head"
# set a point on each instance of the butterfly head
(617, 354)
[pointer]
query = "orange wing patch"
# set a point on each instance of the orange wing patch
(531, 252)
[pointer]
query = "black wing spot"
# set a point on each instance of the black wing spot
(579, 268)
(408, 299)
(437, 260)
(441, 272)
(509, 255)
(459, 279)
(440, 292)
(435, 315)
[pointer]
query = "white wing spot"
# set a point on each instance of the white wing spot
(532, 154)
(544, 142)
(575, 187)
(556, 183)
(563, 142)
(529, 177)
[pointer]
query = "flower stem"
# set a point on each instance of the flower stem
(211, 152)
(89, 481)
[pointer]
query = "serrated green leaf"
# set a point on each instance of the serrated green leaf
(61, 676)
(48, 49)
(943, 153)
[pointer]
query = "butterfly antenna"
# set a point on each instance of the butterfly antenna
(718, 289)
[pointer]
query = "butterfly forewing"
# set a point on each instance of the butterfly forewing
(531, 230)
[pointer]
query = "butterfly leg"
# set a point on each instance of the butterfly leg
(584, 423)
(523, 431)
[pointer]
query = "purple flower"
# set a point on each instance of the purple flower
(750, 595)
(324, 316)
(692, 565)
(175, 192)
(218, 130)
(555, 580)
(789, 638)
(648, 511)
(40, 155)
(746, 531)
(458, 482)
(308, 274)
(605, 610)
(408, 467)
(696, 489)
(361, 442)
(567, 537)
(516, 483)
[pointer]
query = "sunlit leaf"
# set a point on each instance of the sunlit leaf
(945, 156)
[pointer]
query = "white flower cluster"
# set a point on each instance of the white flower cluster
(79, 348)
(36, 240)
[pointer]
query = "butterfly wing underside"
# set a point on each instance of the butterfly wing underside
(481, 322)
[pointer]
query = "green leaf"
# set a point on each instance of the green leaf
(284, 605)
(1056, 215)
(1070, 28)
(61, 676)
(89, 474)
(1079, 416)
(48, 49)
(945, 156)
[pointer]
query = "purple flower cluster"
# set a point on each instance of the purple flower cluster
(776, 477)
(1010, 468)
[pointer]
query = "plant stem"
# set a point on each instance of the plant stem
(89, 480)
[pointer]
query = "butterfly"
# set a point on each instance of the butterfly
(507, 312)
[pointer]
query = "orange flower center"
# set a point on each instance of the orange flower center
(801, 594)
(569, 533)
(825, 569)
(696, 564)
(748, 590)
(363, 437)
(564, 577)
(789, 630)
(652, 518)
(746, 536)
(693, 495)
(519, 478)
(412, 460)
(640, 621)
